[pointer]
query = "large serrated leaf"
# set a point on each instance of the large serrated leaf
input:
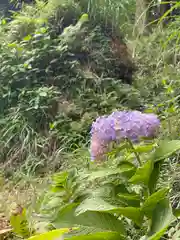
(125, 168)
(97, 204)
(133, 213)
(162, 217)
(93, 204)
(118, 195)
(67, 217)
(152, 201)
(166, 149)
(143, 173)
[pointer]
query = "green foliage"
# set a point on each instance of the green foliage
(157, 77)
(102, 201)
(99, 236)
(50, 235)
(161, 219)
(60, 69)
(143, 173)
(166, 149)
(20, 223)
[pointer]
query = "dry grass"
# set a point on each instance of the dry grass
(25, 193)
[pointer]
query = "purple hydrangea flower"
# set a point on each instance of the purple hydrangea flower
(118, 126)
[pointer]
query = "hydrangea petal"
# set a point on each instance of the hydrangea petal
(120, 125)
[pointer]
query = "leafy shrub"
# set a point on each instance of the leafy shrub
(158, 62)
(58, 72)
(118, 200)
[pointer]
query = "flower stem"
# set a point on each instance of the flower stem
(134, 151)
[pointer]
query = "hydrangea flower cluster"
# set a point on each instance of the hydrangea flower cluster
(118, 126)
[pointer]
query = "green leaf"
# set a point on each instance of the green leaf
(118, 149)
(3, 21)
(151, 202)
(143, 148)
(19, 223)
(130, 199)
(121, 189)
(52, 235)
(98, 236)
(154, 177)
(54, 202)
(166, 149)
(52, 125)
(84, 18)
(93, 204)
(125, 168)
(98, 204)
(106, 190)
(161, 219)
(176, 212)
(27, 65)
(59, 181)
(67, 217)
(133, 213)
(43, 94)
(143, 173)
(12, 45)
(27, 38)
(84, 230)
(60, 177)
(118, 195)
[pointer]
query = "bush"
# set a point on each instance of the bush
(58, 72)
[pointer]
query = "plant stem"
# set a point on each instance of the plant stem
(134, 151)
